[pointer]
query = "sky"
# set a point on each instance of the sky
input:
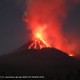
(12, 28)
(13, 33)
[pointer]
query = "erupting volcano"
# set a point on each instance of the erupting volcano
(45, 21)
(39, 40)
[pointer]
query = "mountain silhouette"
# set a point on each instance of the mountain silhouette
(48, 62)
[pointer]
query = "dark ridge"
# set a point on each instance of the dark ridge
(48, 62)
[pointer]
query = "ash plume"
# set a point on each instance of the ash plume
(53, 13)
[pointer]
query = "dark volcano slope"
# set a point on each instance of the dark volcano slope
(47, 61)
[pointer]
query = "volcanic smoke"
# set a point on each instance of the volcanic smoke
(46, 19)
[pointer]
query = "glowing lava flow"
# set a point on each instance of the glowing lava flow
(37, 44)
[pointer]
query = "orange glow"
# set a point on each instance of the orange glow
(38, 35)
(39, 41)
(45, 19)
(71, 55)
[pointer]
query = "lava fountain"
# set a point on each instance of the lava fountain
(39, 40)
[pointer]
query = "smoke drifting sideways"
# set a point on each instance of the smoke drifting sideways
(53, 14)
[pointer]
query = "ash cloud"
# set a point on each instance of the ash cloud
(54, 13)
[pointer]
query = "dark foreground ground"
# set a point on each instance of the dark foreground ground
(48, 62)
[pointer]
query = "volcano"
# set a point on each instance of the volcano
(46, 61)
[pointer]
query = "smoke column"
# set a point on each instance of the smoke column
(53, 14)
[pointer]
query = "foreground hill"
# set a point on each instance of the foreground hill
(48, 62)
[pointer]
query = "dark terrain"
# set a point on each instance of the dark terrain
(47, 62)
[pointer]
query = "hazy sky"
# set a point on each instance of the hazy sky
(12, 28)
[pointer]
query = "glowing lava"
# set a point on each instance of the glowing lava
(37, 44)
(39, 41)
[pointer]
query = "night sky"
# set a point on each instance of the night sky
(13, 33)
(12, 28)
